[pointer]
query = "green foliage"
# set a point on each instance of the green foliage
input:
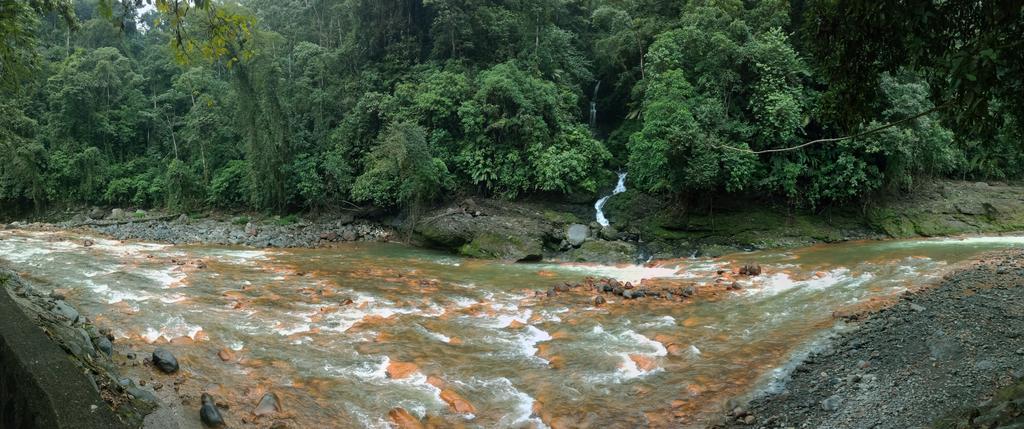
(291, 105)
(182, 187)
(520, 136)
(401, 170)
(231, 186)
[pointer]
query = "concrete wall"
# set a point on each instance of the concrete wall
(39, 385)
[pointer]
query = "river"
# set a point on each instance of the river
(320, 327)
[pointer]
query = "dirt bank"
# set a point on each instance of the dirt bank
(911, 365)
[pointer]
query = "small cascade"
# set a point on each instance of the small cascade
(593, 106)
(599, 205)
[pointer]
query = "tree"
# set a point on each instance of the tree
(968, 51)
(401, 170)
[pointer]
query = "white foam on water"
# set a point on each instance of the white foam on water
(172, 298)
(782, 282)
(628, 369)
(626, 273)
(647, 343)
(22, 254)
(521, 409)
(165, 278)
(304, 327)
(239, 256)
(529, 339)
(371, 370)
(694, 351)
(440, 337)
(115, 297)
(236, 345)
(115, 247)
(97, 288)
(175, 327)
(661, 322)
(989, 240)
(504, 320)
(598, 330)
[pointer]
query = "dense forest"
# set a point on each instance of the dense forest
(289, 105)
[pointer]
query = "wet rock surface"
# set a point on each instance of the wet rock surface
(935, 351)
(165, 361)
(89, 349)
(209, 414)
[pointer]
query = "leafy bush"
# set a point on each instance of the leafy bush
(401, 170)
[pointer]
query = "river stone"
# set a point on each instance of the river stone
(209, 413)
(165, 361)
(269, 405)
(831, 403)
(104, 345)
(66, 311)
(117, 214)
(576, 234)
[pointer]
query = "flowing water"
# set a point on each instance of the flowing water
(320, 327)
(620, 187)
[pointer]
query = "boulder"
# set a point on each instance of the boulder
(165, 361)
(209, 414)
(610, 233)
(505, 247)
(66, 311)
(97, 213)
(751, 270)
(269, 404)
(117, 214)
(576, 234)
(604, 252)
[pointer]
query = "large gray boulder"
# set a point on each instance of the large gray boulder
(576, 234)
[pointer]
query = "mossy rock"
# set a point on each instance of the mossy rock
(439, 235)
(557, 217)
(604, 252)
(509, 248)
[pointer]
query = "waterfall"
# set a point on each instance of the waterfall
(593, 106)
(599, 205)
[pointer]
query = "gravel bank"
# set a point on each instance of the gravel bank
(909, 365)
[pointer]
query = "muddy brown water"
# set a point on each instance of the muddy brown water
(320, 327)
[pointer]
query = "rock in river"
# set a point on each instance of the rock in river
(209, 413)
(165, 361)
(104, 345)
(269, 405)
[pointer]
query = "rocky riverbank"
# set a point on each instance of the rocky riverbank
(641, 227)
(89, 347)
(914, 364)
